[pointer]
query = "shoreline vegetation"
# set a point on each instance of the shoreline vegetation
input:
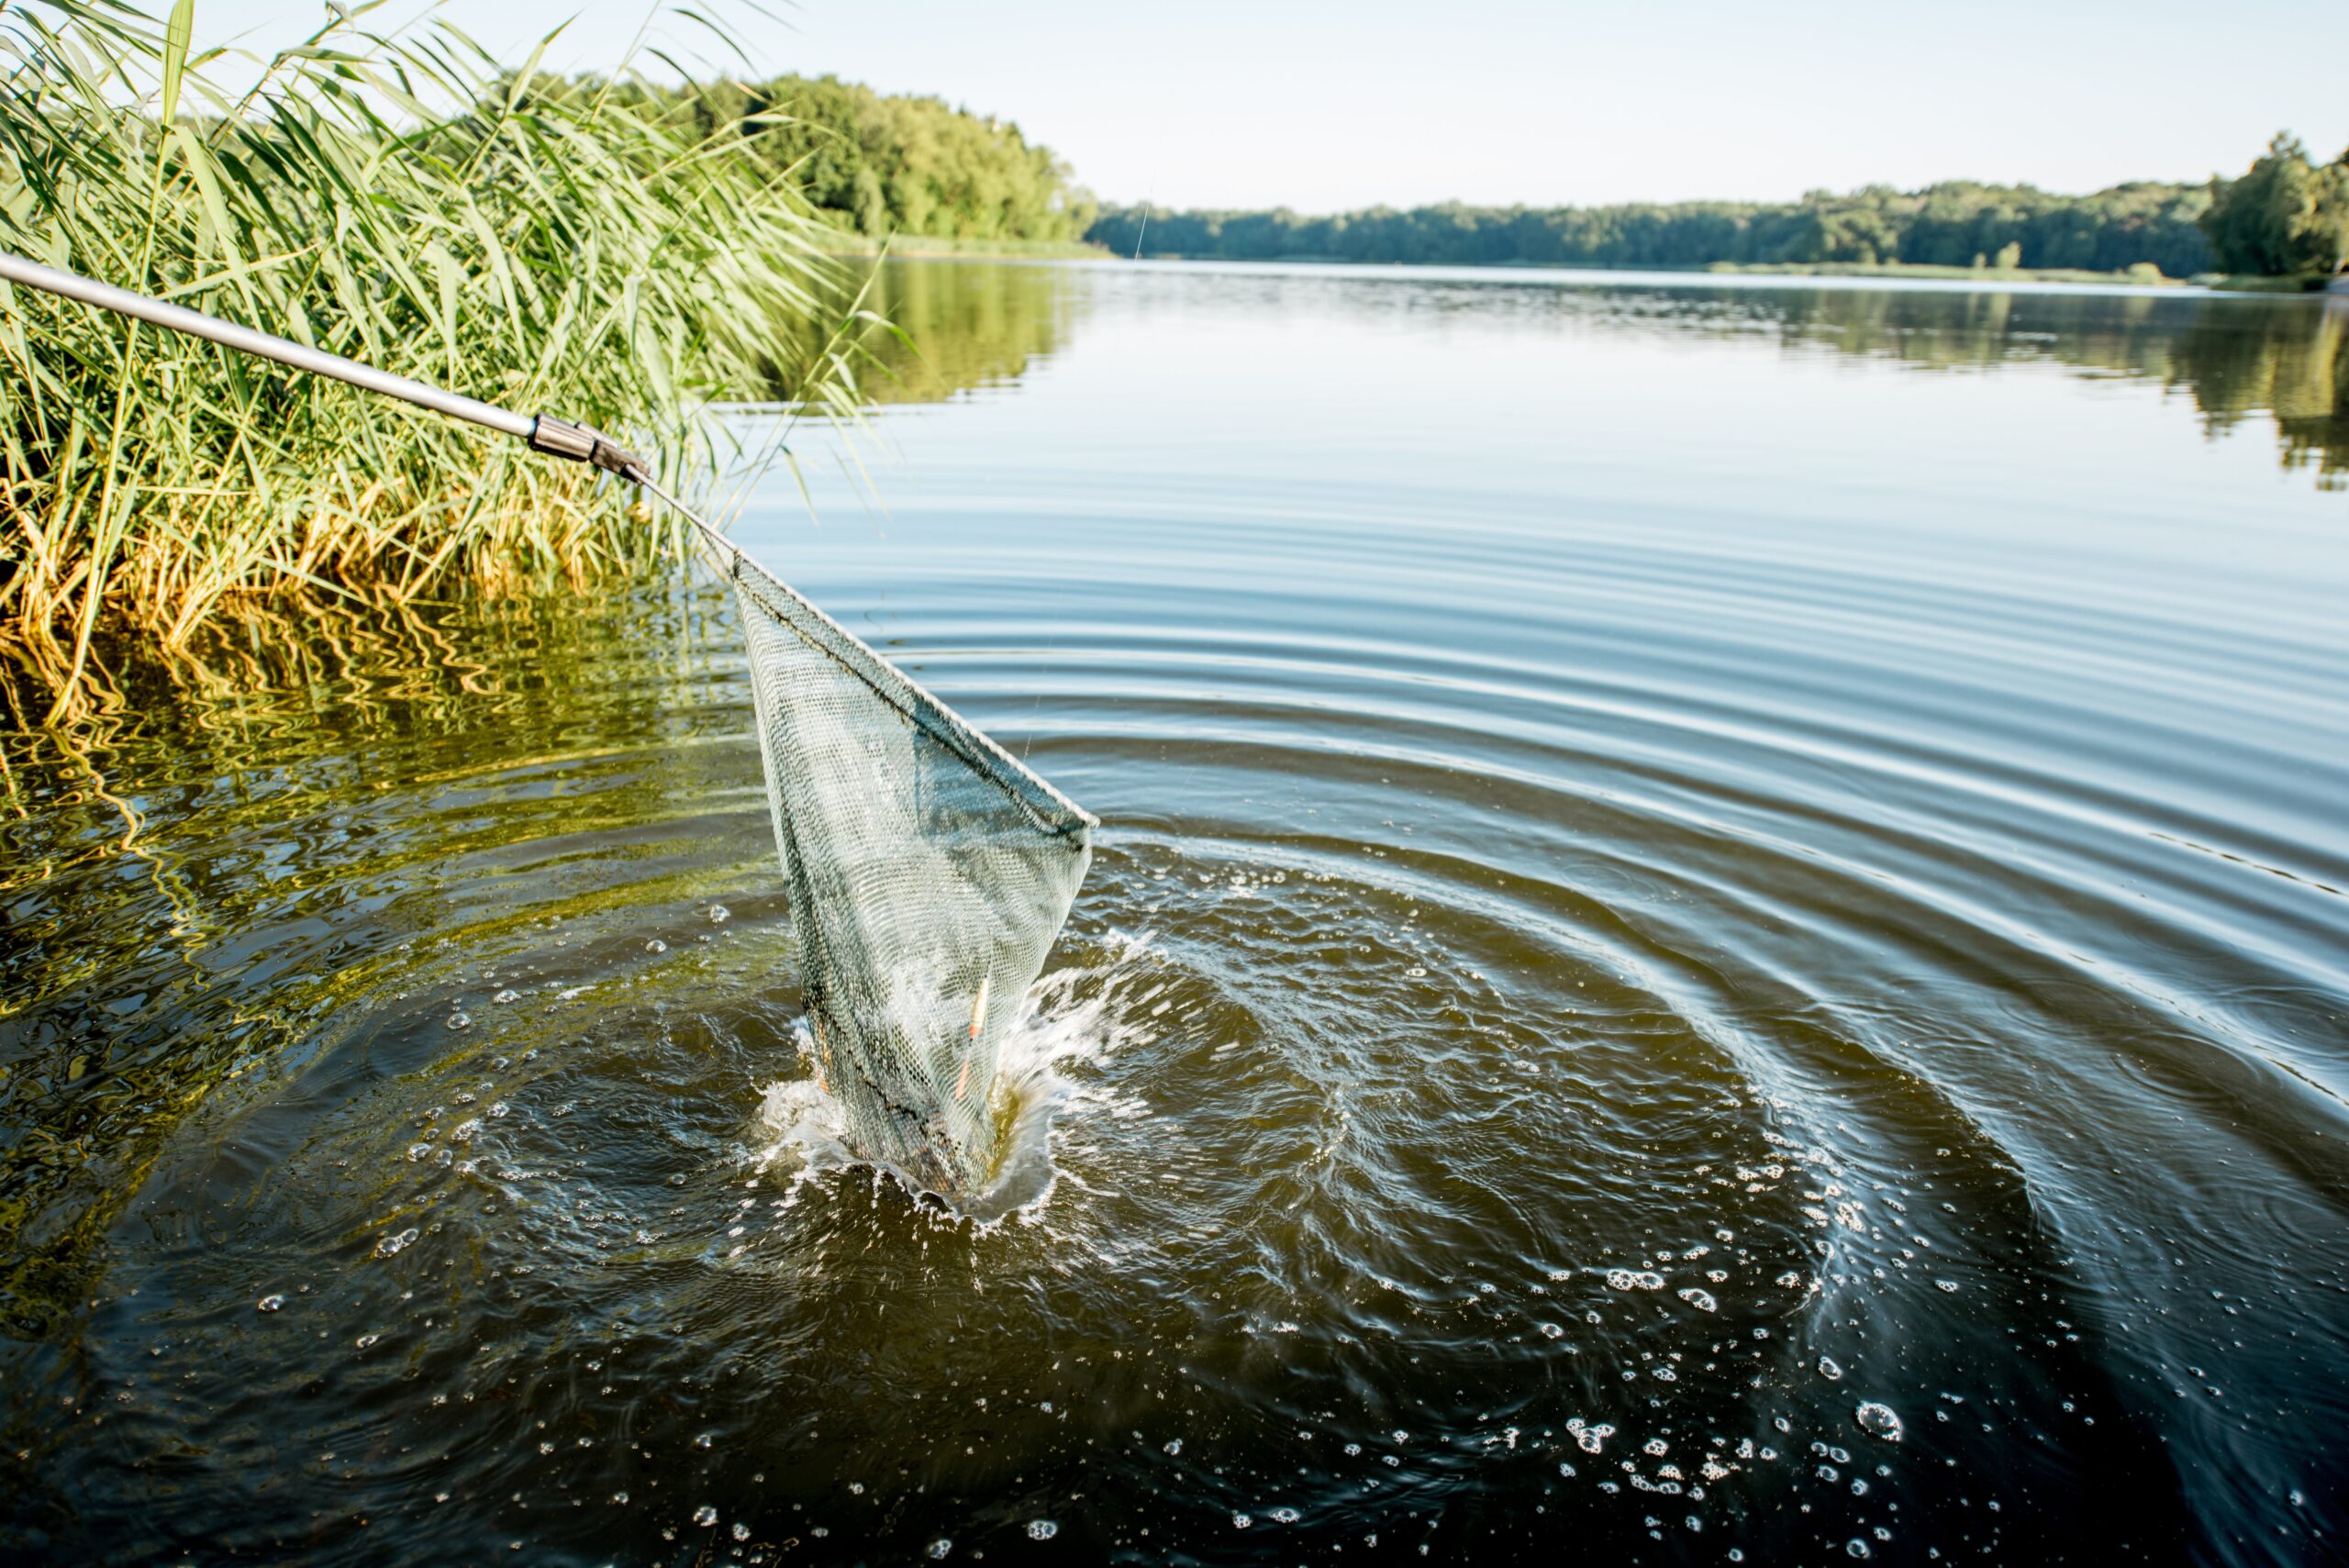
(1956, 224)
(2287, 216)
(900, 167)
(539, 243)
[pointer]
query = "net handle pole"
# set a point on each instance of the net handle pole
(717, 542)
(544, 432)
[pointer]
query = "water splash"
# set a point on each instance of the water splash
(1071, 1019)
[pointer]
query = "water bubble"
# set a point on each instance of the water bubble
(1284, 1515)
(459, 1021)
(656, 945)
(1828, 1370)
(1949, 1286)
(741, 1532)
(621, 1498)
(465, 1131)
(500, 1108)
(368, 1338)
(418, 1151)
(1174, 1445)
(1042, 1530)
(1857, 1547)
(937, 1549)
(1551, 1330)
(1790, 1279)
(1241, 1521)
(1879, 1422)
(269, 1303)
(1633, 1279)
(1656, 1447)
(507, 996)
(705, 1516)
(396, 1243)
(718, 915)
(1702, 1300)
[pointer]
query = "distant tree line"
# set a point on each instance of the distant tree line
(1956, 224)
(877, 163)
(2286, 214)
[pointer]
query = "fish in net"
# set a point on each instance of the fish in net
(928, 875)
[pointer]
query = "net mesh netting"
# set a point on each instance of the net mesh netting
(929, 873)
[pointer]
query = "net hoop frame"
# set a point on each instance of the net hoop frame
(1048, 807)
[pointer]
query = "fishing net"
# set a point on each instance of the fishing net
(928, 875)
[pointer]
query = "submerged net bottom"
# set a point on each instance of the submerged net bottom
(928, 875)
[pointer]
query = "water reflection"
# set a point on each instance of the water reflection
(965, 327)
(244, 846)
(2237, 357)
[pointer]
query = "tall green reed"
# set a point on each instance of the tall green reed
(401, 199)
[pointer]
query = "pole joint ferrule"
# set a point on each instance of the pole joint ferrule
(585, 443)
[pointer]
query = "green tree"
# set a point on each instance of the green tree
(2284, 214)
(879, 163)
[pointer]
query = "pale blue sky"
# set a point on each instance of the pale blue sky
(1321, 106)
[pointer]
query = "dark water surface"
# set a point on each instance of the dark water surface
(1719, 935)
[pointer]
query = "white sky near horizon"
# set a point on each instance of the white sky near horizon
(1323, 106)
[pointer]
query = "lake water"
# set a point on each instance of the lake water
(1719, 935)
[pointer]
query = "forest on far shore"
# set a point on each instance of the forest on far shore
(2285, 215)
(876, 165)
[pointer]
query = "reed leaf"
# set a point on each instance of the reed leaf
(403, 199)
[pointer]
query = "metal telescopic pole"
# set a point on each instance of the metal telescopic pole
(544, 432)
